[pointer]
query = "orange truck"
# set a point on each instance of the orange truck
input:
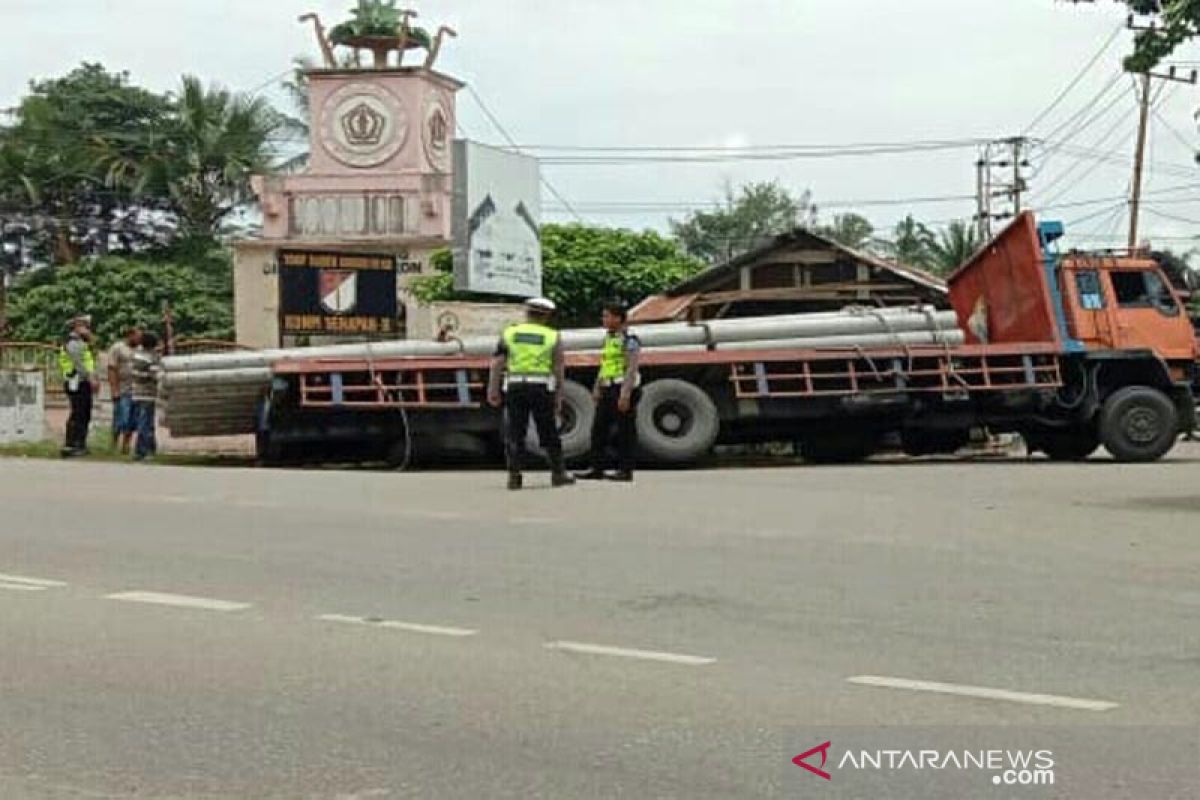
(1070, 350)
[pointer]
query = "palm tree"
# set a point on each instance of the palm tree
(203, 155)
(852, 230)
(911, 244)
(951, 247)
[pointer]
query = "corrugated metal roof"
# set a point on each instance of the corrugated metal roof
(661, 308)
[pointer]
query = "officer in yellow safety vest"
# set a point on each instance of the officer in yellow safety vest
(616, 393)
(529, 359)
(77, 364)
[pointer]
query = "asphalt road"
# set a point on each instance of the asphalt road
(189, 632)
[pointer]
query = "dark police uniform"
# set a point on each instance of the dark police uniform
(530, 350)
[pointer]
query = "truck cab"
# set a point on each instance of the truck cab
(1125, 345)
(1124, 303)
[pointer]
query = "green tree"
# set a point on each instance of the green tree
(120, 292)
(202, 157)
(51, 173)
(742, 221)
(1178, 21)
(583, 266)
(1175, 22)
(911, 244)
(850, 229)
(952, 246)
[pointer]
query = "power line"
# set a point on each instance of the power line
(1175, 217)
(1107, 211)
(732, 156)
(1075, 81)
(513, 144)
(1173, 131)
(1088, 106)
(908, 143)
(1080, 159)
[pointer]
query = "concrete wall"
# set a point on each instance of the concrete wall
(255, 295)
(468, 319)
(22, 407)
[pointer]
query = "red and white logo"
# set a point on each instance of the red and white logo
(339, 290)
(820, 772)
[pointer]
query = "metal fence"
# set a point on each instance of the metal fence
(34, 357)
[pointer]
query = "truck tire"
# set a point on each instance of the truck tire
(840, 447)
(677, 422)
(1138, 423)
(1065, 444)
(579, 411)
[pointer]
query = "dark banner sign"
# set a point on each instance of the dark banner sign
(336, 294)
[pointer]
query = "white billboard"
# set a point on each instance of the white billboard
(497, 217)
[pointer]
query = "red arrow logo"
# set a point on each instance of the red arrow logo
(823, 749)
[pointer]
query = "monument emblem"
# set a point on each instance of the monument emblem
(437, 133)
(364, 125)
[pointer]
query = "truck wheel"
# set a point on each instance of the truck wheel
(578, 414)
(839, 448)
(1138, 423)
(677, 422)
(1065, 444)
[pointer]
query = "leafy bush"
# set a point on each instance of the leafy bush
(120, 292)
(375, 18)
(582, 268)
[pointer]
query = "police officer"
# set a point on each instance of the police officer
(616, 394)
(77, 363)
(530, 358)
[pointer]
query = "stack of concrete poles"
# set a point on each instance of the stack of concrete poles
(218, 394)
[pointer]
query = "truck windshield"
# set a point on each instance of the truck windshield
(1143, 289)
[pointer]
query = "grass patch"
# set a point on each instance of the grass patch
(102, 450)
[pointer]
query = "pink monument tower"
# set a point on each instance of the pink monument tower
(378, 177)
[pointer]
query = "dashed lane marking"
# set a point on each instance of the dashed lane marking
(625, 652)
(22, 583)
(391, 624)
(983, 692)
(178, 600)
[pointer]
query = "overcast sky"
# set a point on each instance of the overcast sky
(715, 73)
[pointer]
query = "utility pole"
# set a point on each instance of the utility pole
(1135, 197)
(1018, 182)
(1139, 156)
(990, 186)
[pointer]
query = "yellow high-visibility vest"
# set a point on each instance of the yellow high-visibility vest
(67, 366)
(612, 358)
(530, 349)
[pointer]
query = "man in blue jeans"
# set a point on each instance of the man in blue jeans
(120, 386)
(146, 368)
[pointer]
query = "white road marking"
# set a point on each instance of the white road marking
(180, 600)
(984, 693)
(625, 652)
(534, 521)
(21, 583)
(391, 624)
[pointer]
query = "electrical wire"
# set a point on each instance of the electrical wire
(1075, 81)
(1087, 107)
(487, 112)
(1149, 209)
(1107, 211)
